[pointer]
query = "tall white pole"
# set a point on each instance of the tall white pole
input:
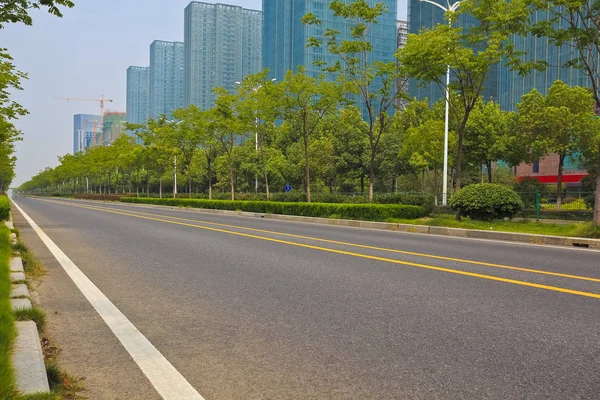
(256, 150)
(446, 126)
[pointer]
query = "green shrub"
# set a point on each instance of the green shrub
(4, 208)
(486, 201)
(370, 212)
(526, 188)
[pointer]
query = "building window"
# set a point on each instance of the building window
(536, 167)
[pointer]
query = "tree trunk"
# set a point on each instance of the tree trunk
(208, 170)
(488, 164)
(597, 198)
(160, 188)
(371, 176)
(362, 184)
(561, 163)
(264, 168)
(306, 169)
(232, 181)
(190, 186)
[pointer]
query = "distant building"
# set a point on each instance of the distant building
(83, 131)
(113, 127)
(138, 87)
(401, 37)
(165, 78)
(285, 37)
(222, 46)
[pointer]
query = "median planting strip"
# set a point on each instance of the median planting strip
(391, 226)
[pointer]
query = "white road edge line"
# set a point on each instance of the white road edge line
(167, 381)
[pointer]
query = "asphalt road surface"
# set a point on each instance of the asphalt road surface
(248, 308)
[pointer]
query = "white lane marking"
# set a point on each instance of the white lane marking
(167, 381)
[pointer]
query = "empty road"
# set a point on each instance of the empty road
(247, 308)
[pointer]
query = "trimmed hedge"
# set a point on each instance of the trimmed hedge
(110, 197)
(486, 201)
(368, 212)
(4, 208)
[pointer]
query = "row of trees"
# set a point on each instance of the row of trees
(301, 116)
(15, 11)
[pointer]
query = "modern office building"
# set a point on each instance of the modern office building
(401, 37)
(222, 46)
(113, 127)
(138, 87)
(83, 131)
(165, 78)
(423, 15)
(514, 86)
(285, 37)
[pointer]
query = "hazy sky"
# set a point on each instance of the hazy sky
(86, 54)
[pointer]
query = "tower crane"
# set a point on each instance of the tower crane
(101, 100)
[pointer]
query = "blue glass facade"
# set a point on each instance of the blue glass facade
(285, 37)
(222, 46)
(138, 79)
(513, 86)
(165, 78)
(83, 131)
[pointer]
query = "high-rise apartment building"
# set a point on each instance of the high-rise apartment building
(83, 131)
(138, 79)
(222, 46)
(285, 37)
(165, 78)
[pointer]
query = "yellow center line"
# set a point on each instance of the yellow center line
(358, 255)
(362, 246)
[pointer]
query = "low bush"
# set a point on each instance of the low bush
(4, 208)
(369, 212)
(486, 202)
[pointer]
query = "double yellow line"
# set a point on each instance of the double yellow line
(203, 225)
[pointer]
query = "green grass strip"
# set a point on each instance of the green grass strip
(7, 323)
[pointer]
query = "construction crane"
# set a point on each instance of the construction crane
(101, 100)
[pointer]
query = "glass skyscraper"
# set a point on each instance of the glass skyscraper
(285, 37)
(513, 86)
(165, 78)
(137, 94)
(222, 46)
(83, 131)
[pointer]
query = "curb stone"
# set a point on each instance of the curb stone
(16, 265)
(13, 238)
(19, 290)
(21, 304)
(28, 360)
(17, 276)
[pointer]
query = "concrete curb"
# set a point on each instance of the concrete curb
(28, 360)
(13, 238)
(424, 229)
(16, 265)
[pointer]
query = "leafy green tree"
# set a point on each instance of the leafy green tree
(486, 136)
(17, 11)
(305, 102)
(469, 52)
(375, 82)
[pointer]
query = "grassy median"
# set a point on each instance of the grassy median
(7, 323)
(583, 229)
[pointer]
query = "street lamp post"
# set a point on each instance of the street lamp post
(451, 8)
(256, 134)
